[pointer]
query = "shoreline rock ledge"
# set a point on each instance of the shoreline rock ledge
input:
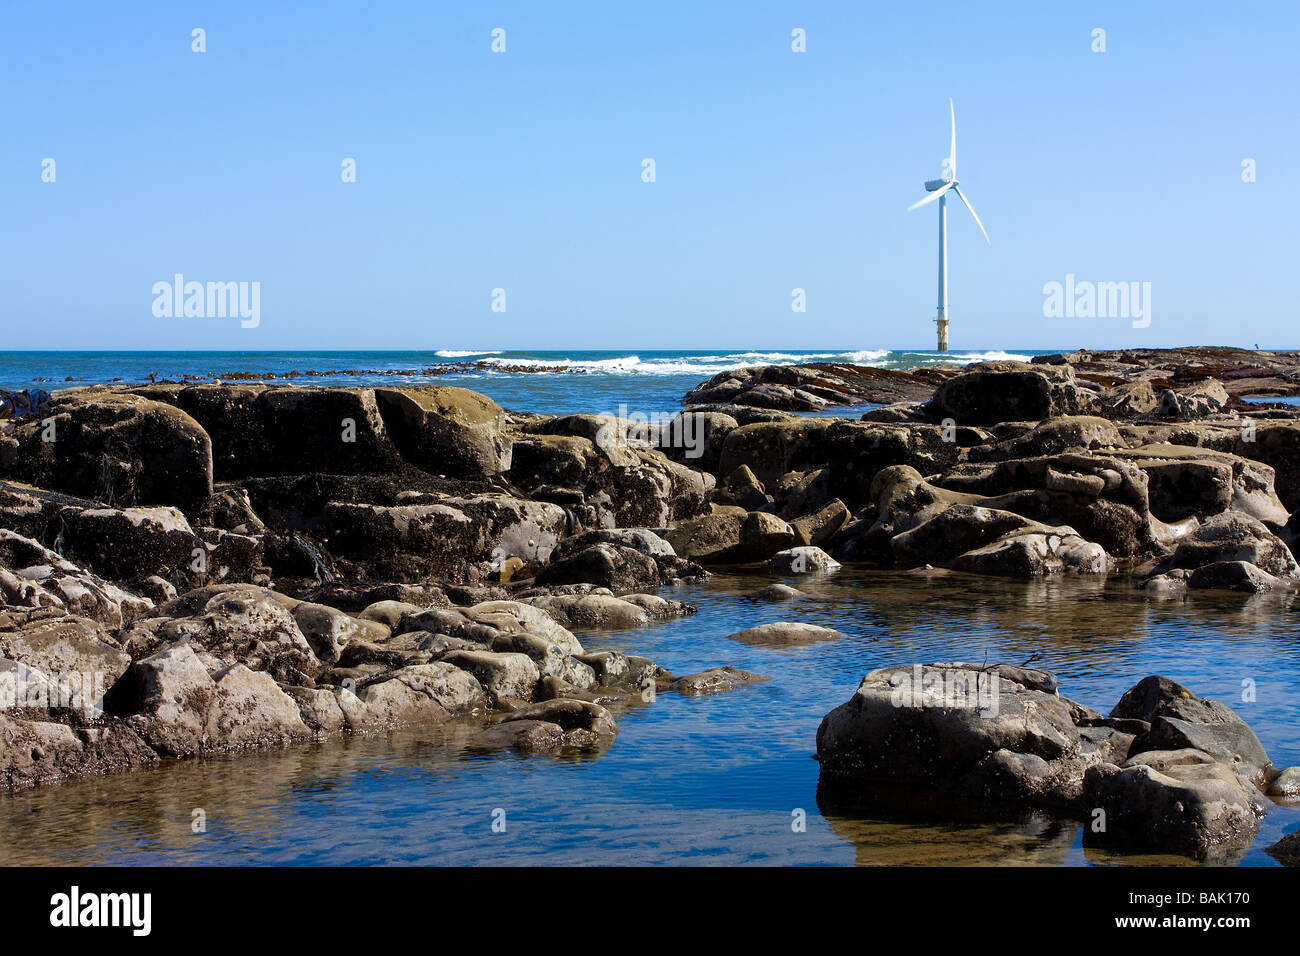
(1165, 771)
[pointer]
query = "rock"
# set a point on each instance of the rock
(1205, 398)
(422, 693)
(319, 710)
(1033, 554)
(1186, 481)
(713, 681)
(1234, 576)
(1276, 444)
(1054, 437)
(694, 438)
(603, 565)
(1126, 401)
(526, 736)
(388, 613)
(230, 509)
(778, 592)
(991, 733)
(709, 539)
(802, 561)
(785, 633)
(328, 631)
(454, 538)
(285, 430)
(613, 669)
(762, 536)
(1179, 719)
(73, 652)
(516, 617)
(606, 485)
(598, 611)
(991, 392)
(117, 449)
(953, 532)
(508, 675)
(772, 449)
(1233, 536)
(1198, 809)
(809, 387)
(243, 625)
(132, 543)
(550, 726)
(743, 489)
(181, 711)
(1286, 784)
(1286, 850)
(43, 579)
(447, 430)
(822, 526)
(571, 715)
(1063, 490)
(641, 540)
(34, 752)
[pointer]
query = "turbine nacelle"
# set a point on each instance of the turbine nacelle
(932, 184)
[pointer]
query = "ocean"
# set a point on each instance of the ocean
(646, 381)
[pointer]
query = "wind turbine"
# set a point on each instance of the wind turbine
(939, 189)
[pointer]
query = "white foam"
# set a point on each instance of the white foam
(707, 365)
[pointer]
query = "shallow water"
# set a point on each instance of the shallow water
(700, 780)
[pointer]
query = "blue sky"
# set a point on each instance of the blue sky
(522, 171)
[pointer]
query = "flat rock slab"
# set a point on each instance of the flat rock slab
(785, 633)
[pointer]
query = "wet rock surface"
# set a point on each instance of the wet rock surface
(1166, 770)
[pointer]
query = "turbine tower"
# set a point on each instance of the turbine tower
(939, 189)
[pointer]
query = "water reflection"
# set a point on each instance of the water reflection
(717, 779)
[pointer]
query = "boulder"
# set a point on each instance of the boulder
(991, 733)
(453, 538)
(1233, 536)
(1127, 401)
(181, 710)
(502, 675)
(991, 392)
(1179, 719)
(612, 566)
(133, 543)
(328, 630)
(33, 576)
(807, 560)
(1195, 401)
(1200, 810)
(447, 430)
(778, 592)
(116, 448)
(422, 693)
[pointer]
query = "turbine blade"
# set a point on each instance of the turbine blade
(966, 202)
(952, 153)
(932, 197)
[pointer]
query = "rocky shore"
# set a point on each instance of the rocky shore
(188, 569)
